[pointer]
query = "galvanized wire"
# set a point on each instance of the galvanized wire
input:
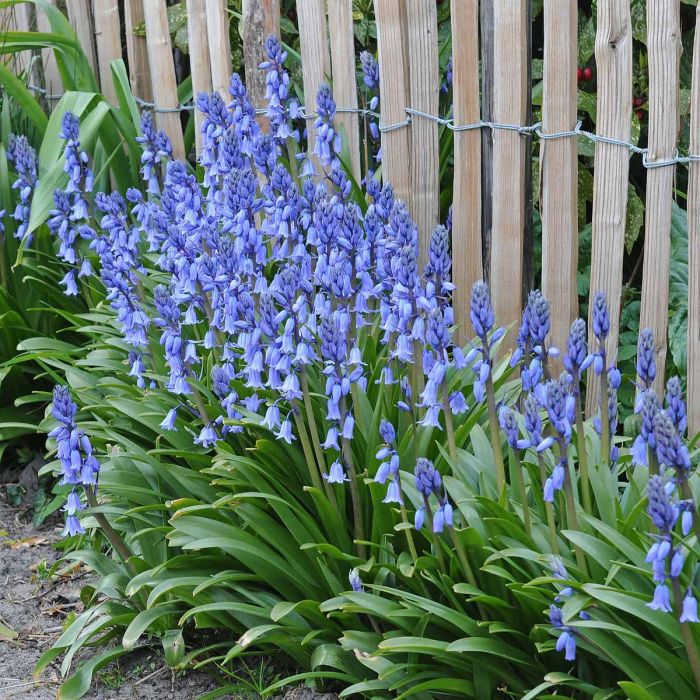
(529, 131)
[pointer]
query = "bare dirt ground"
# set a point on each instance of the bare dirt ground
(34, 607)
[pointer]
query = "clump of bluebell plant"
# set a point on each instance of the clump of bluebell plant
(259, 288)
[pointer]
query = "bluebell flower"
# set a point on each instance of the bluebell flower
(601, 317)
(168, 423)
(336, 473)
(522, 347)
(560, 406)
(675, 406)
(285, 431)
(559, 571)
(509, 425)
(689, 612)
(481, 311)
(80, 177)
(370, 77)
(669, 447)
(73, 526)
(370, 70)
(576, 359)
(443, 516)
(437, 269)
(648, 406)
(355, 581)
(447, 83)
(156, 150)
(538, 317)
(21, 154)
(242, 114)
(646, 358)
(207, 436)
(281, 109)
(428, 479)
(328, 142)
(75, 454)
(567, 640)
(663, 513)
(662, 599)
(533, 427)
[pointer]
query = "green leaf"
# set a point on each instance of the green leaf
(635, 217)
(24, 99)
(79, 683)
(144, 620)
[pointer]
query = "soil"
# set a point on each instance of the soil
(35, 606)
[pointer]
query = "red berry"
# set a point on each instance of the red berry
(587, 73)
(638, 101)
(579, 74)
(640, 114)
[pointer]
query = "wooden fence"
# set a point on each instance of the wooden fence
(492, 137)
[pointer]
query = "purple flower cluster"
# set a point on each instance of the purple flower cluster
(74, 450)
(24, 159)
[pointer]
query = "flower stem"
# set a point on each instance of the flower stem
(115, 539)
(691, 648)
(199, 403)
(313, 430)
(687, 494)
(495, 439)
(449, 424)
(549, 509)
(516, 478)
(653, 462)
(306, 447)
(346, 449)
(462, 554)
(572, 517)
(409, 534)
(436, 539)
(583, 458)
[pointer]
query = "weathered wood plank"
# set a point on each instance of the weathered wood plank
(559, 166)
(395, 91)
(664, 47)
(510, 95)
(613, 53)
(163, 81)
(345, 76)
(424, 75)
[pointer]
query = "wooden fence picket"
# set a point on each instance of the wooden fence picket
(261, 18)
(52, 78)
(200, 66)
(394, 93)
(163, 83)
(424, 79)
(559, 166)
(219, 46)
(80, 16)
(694, 244)
(664, 47)
(467, 265)
(108, 42)
(345, 76)
(315, 59)
(613, 54)
(510, 92)
(137, 51)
